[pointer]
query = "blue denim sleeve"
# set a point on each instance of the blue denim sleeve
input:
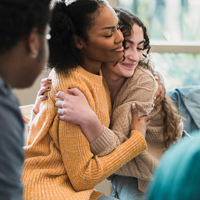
(187, 100)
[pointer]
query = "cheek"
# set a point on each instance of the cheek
(140, 56)
(105, 45)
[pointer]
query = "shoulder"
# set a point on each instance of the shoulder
(141, 74)
(142, 79)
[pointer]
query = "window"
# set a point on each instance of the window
(174, 30)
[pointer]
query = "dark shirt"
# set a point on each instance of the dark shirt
(11, 145)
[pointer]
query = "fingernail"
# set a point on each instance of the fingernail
(153, 104)
(133, 105)
(154, 98)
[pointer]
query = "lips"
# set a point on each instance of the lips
(129, 65)
(118, 49)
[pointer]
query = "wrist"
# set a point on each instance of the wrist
(92, 127)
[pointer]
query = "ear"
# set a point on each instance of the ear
(33, 43)
(79, 43)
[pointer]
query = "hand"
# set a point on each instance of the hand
(139, 124)
(73, 108)
(160, 94)
(76, 110)
(40, 95)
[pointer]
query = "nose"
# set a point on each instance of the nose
(119, 37)
(132, 55)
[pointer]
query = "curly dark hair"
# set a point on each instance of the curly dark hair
(126, 21)
(67, 21)
(171, 117)
(19, 17)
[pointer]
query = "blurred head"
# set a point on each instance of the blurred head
(23, 27)
(136, 41)
(84, 33)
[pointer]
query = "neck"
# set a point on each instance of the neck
(92, 66)
(114, 82)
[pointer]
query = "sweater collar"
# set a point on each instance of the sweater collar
(94, 77)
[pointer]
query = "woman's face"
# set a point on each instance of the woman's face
(105, 40)
(133, 55)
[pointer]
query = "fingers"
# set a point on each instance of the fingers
(158, 92)
(75, 91)
(39, 99)
(45, 81)
(134, 111)
(60, 104)
(60, 112)
(148, 118)
(61, 95)
(43, 90)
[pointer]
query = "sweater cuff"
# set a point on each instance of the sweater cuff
(102, 142)
(139, 141)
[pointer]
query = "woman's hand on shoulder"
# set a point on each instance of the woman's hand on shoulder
(73, 107)
(76, 110)
(160, 94)
(40, 95)
(141, 123)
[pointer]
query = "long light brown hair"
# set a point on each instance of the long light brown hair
(172, 119)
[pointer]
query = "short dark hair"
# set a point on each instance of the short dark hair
(75, 18)
(19, 17)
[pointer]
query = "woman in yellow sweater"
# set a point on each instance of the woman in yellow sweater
(140, 88)
(58, 161)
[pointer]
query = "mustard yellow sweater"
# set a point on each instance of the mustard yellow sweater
(58, 161)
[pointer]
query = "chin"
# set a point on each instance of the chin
(130, 74)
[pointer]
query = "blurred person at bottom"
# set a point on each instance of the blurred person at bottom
(177, 176)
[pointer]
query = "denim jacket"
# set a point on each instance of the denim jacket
(188, 102)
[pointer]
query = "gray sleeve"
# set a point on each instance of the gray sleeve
(11, 148)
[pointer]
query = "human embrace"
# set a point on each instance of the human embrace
(104, 127)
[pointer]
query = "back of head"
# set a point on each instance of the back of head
(68, 21)
(18, 18)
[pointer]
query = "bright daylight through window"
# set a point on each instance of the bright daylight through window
(174, 30)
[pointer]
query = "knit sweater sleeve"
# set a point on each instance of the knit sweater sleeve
(140, 90)
(85, 170)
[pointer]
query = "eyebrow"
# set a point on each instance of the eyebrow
(109, 27)
(129, 41)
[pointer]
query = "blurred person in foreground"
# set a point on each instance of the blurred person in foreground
(23, 54)
(177, 176)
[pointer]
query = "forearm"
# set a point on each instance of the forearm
(92, 127)
(106, 143)
(88, 170)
